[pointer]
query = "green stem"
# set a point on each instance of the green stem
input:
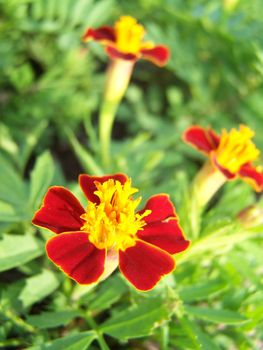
(83, 155)
(92, 323)
(16, 320)
(118, 77)
(205, 184)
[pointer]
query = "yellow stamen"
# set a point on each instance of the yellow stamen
(113, 223)
(129, 35)
(236, 149)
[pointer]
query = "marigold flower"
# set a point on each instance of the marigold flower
(125, 41)
(232, 153)
(91, 243)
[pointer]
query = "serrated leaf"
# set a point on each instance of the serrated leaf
(41, 177)
(78, 341)
(38, 287)
(52, 319)
(216, 315)
(137, 321)
(16, 250)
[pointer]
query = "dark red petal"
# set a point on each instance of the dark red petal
(165, 235)
(213, 138)
(144, 265)
(250, 174)
(87, 185)
(104, 34)
(161, 206)
(202, 139)
(223, 170)
(60, 211)
(159, 55)
(76, 256)
(114, 53)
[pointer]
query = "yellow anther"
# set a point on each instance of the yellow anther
(129, 35)
(236, 149)
(113, 223)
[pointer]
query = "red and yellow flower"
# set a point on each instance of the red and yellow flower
(231, 153)
(91, 243)
(125, 41)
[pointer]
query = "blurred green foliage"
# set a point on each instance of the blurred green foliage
(50, 90)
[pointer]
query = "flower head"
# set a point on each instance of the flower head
(125, 41)
(232, 153)
(91, 243)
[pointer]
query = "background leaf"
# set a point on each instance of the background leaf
(16, 250)
(41, 177)
(38, 287)
(216, 315)
(137, 321)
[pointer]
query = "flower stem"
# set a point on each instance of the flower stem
(206, 183)
(84, 156)
(94, 326)
(118, 77)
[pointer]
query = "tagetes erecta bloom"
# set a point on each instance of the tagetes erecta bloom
(232, 153)
(91, 243)
(125, 41)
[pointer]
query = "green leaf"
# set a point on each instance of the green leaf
(202, 290)
(30, 141)
(8, 213)
(52, 319)
(109, 292)
(16, 250)
(41, 177)
(216, 315)
(137, 321)
(78, 341)
(99, 12)
(12, 189)
(38, 287)
(84, 157)
(206, 342)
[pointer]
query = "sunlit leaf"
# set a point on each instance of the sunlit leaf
(38, 287)
(16, 250)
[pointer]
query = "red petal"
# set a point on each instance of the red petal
(144, 265)
(250, 174)
(159, 55)
(60, 211)
(165, 235)
(161, 206)
(87, 185)
(76, 256)
(104, 34)
(114, 53)
(202, 139)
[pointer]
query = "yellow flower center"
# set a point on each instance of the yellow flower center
(113, 223)
(236, 149)
(129, 35)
